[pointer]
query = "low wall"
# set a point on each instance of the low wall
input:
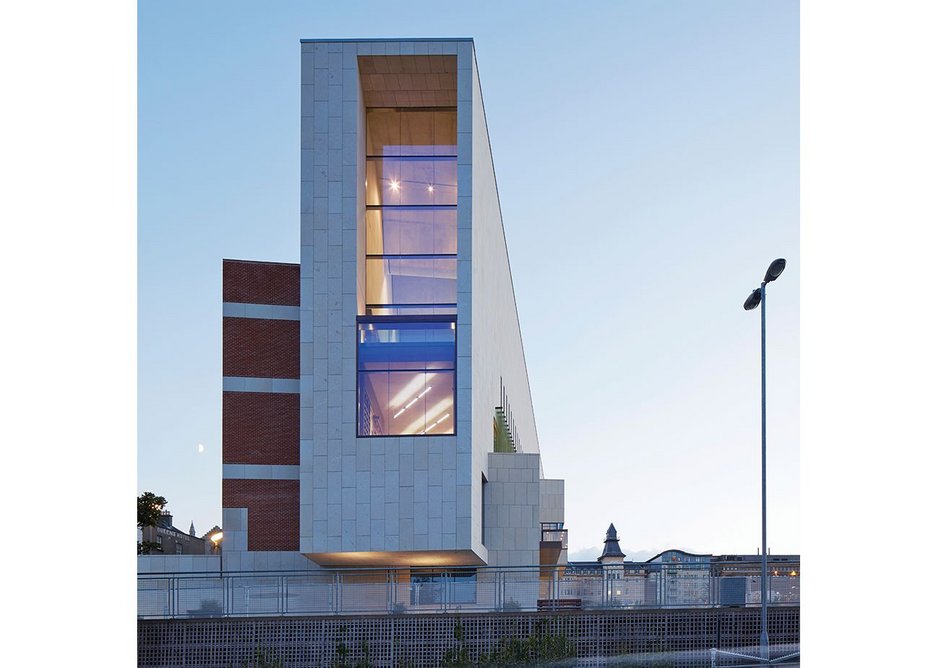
(419, 641)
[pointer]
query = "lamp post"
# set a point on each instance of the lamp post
(756, 298)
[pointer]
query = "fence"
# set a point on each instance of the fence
(678, 638)
(414, 590)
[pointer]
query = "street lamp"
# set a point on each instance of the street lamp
(756, 298)
(216, 539)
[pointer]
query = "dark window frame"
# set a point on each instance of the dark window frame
(406, 319)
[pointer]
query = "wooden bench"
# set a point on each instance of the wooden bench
(559, 604)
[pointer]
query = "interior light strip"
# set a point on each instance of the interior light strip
(412, 401)
(435, 424)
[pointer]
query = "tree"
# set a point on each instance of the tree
(149, 509)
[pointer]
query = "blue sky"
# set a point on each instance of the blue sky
(647, 163)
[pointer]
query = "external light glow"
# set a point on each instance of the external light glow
(430, 188)
(216, 537)
(395, 185)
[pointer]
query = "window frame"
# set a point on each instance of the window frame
(406, 319)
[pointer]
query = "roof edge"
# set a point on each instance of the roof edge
(387, 39)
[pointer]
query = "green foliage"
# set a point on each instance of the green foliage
(546, 645)
(459, 655)
(343, 655)
(149, 508)
(148, 547)
(264, 658)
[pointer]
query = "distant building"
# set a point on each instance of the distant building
(171, 540)
(677, 578)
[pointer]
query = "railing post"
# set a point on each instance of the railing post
(444, 595)
(336, 593)
(389, 603)
(283, 594)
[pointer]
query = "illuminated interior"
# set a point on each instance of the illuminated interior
(406, 378)
(410, 197)
(407, 333)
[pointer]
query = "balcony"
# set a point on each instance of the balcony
(553, 543)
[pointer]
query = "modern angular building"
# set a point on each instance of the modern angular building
(376, 406)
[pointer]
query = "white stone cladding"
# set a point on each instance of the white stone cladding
(408, 493)
(512, 512)
(551, 500)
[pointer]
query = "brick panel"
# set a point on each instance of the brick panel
(261, 348)
(260, 428)
(273, 511)
(261, 282)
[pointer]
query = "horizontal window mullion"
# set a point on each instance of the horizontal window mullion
(417, 256)
(412, 157)
(420, 369)
(411, 319)
(423, 207)
(392, 107)
(404, 305)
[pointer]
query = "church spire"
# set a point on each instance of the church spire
(611, 552)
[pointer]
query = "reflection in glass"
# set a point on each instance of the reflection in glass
(410, 181)
(416, 231)
(406, 378)
(438, 309)
(406, 345)
(410, 280)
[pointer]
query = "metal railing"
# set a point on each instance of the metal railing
(554, 536)
(482, 589)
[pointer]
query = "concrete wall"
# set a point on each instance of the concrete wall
(552, 500)
(177, 563)
(513, 509)
(497, 351)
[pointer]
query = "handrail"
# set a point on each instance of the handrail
(480, 589)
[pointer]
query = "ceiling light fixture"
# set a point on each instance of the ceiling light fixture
(413, 401)
(435, 424)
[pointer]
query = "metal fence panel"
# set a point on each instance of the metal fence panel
(483, 589)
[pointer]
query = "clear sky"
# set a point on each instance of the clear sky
(648, 168)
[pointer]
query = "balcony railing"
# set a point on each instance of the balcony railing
(554, 536)
(484, 589)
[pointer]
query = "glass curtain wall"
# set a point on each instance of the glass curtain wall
(407, 337)
(410, 183)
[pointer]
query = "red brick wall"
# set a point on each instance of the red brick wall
(273, 511)
(260, 428)
(261, 348)
(260, 282)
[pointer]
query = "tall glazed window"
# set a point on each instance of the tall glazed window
(410, 186)
(407, 337)
(406, 377)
